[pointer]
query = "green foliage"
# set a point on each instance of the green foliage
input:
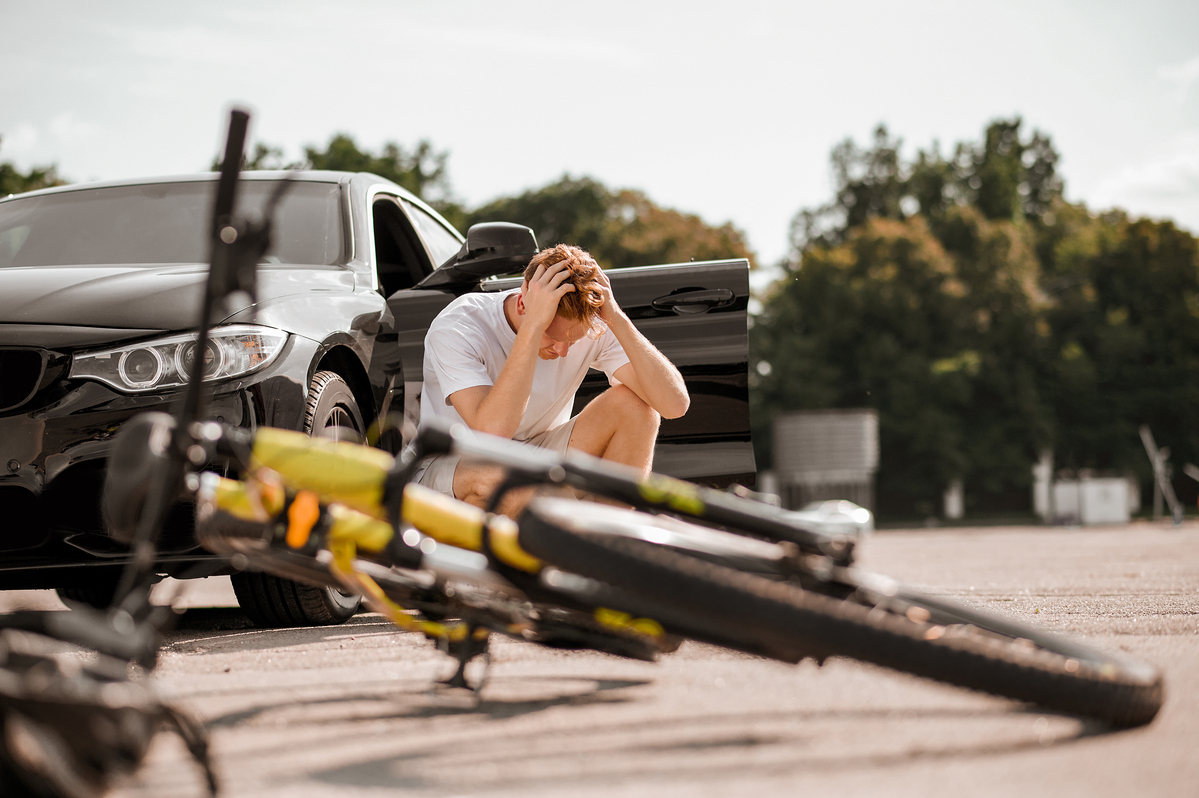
(1004, 177)
(572, 210)
(938, 342)
(984, 317)
(1125, 322)
(620, 228)
(13, 181)
(422, 170)
(262, 157)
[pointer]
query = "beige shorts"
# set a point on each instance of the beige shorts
(438, 473)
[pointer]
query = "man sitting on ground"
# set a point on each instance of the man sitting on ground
(509, 364)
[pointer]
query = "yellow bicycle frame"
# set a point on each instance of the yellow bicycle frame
(349, 481)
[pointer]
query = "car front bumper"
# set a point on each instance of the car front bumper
(53, 452)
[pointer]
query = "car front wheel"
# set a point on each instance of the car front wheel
(271, 601)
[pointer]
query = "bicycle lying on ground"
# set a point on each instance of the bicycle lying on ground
(633, 582)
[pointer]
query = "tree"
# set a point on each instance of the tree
(13, 181)
(422, 170)
(938, 342)
(570, 210)
(1125, 325)
(916, 291)
(868, 184)
(620, 228)
(985, 318)
(641, 233)
(1007, 176)
(263, 157)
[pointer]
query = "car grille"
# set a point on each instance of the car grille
(20, 375)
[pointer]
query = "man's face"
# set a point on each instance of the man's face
(559, 337)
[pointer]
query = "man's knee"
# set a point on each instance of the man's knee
(475, 484)
(617, 425)
(634, 410)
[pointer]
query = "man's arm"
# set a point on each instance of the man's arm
(498, 408)
(648, 373)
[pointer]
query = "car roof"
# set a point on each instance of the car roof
(309, 175)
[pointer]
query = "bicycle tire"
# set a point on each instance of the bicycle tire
(990, 655)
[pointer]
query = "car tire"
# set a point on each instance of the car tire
(332, 411)
(272, 601)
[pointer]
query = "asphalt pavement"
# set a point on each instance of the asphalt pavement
(351, 710)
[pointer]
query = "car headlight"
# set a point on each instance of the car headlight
(233, 351)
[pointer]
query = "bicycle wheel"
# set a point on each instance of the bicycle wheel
(861, 616)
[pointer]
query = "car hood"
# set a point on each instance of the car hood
(141, 297)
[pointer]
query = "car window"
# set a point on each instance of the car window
(442, 243)
(162, 223)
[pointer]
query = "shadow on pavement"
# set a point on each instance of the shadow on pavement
(720, 747)
(436, 702)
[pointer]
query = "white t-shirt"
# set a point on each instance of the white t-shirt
(468, 344)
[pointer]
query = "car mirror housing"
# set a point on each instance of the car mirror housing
(491, 249)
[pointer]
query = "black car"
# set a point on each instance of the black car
(100, 286)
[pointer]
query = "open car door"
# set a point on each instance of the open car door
(695, 313)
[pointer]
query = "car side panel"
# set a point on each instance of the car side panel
(349, 319)
(412, 311)
(709, 344)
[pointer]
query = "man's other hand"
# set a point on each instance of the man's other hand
(609, 310)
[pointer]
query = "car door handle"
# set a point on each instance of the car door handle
(694, 300)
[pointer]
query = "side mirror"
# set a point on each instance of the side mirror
(491, 249)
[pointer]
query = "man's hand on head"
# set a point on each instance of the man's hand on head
(609, 310)
(499, 408)
(540, 296)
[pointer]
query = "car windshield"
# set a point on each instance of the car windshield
(160, 223)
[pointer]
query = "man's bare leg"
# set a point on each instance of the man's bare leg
(475, 483)
(618, 426)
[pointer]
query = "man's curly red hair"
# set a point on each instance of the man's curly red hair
(582, 304)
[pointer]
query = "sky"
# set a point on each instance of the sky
(724, 109)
